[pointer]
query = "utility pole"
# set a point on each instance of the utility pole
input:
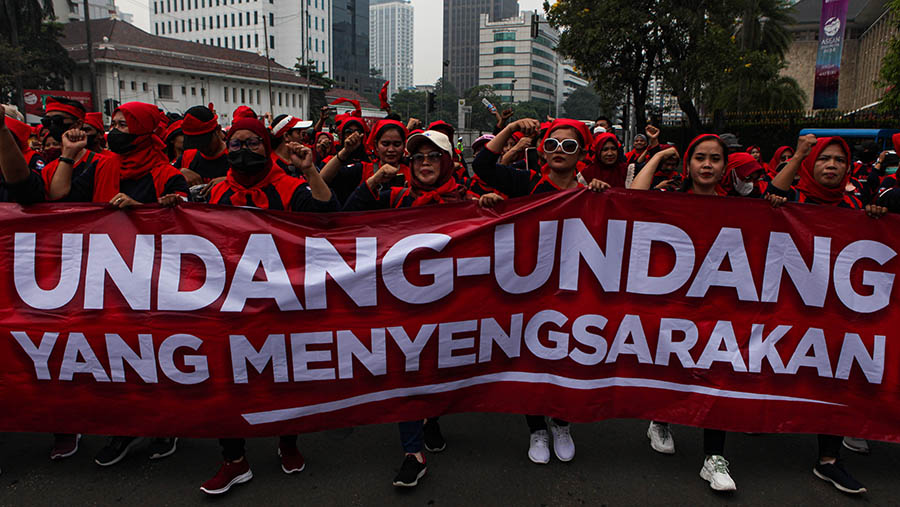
(268, 62)
(304, 33)
(92, 70)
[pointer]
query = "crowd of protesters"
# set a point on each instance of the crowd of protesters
(145, 156)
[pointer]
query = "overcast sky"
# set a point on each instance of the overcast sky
(428, 27)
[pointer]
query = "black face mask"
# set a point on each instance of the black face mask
(92, 141)
(246, 161)
(120, 142)
(56, 126)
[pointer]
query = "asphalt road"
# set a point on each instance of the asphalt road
(485, 463)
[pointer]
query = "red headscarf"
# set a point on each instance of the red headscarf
(148, 154)
(382, 124)
(174, 129)
(585, 134)
(243, 195)
(243, 112)
(445, 188)
(21, 131)
(896, 140)
(808, 184)
(94, 120)
(332, 147)
(742, 165)
(613, 174)
(772, 166)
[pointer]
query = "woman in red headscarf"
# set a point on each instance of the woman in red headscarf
(324, 149)
(146, 176)
(609, 164)
(563, 145)
(255, 181)
(431, 181)
(755, 152)
(782, 155)
(386, 143)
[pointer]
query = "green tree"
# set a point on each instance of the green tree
(583, 103)
(482, 118)
(30, 54)
(614, 43)
(409, 104)
(319, 78)
(446, 98)
(889, 77)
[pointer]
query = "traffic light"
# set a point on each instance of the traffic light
(535, 25)
(109, 106)
(430, 104)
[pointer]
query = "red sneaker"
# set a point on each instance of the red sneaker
(291, 459)
(64, 445)
(230, 474)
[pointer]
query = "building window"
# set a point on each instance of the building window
(542, 54)
(156, 28)
(164, 91)
(219, 41)
(250, 97)
(225, 22)
(240, 20)
(144, 87)
(233, 45)
(280, 103)
(121, 84)
(506, 86)
(271, 19)
(248, 18)
(241, 41)
(243, 95)
(504, 49)
(271, 42)
(504, 73)
(256, 40)
(225, 89)
(203, 21)
(232, 19)
(503, 61)
(155, 9)
(184, 88)
(234, 95)
(542, 77)
(505, 36)
(257, 96)
(226, 42)
(255, 17)
(203, 93)
(218, 22)
(193, 91)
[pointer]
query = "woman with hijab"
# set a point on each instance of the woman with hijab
(704, 167)
(325, 149)
(781, 155)
(608, 164)
(255, 181)
(564, 144)
(755, 152)
(174, 139)
(386, 144)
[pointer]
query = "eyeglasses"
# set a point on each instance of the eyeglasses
(434, 156)
(569, 146)
(251, 143)
(51, 121)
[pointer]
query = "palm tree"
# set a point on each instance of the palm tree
(763, 26)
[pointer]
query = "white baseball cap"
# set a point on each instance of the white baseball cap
(432, 136)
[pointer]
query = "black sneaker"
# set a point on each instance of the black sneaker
(162, 447)
(836, 475)
(434, 440)
(116, 449)
(410, 472)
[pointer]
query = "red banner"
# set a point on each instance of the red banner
(206, 321)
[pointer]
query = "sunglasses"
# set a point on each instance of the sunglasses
(568, 146)
(434, 157)
(251, 143)
(58, 121)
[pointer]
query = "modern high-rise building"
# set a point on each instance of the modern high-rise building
(461, 36)
(350, 32)
(519, 68)
(391, 42)
(251, 25)
(73, 10)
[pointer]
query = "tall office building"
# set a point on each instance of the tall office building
(350, 32)
(246, 24)
(519, 68)
(461, 36)
(391, 42)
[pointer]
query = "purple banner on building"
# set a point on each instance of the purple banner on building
(828, 60)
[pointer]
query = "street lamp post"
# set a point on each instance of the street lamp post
(512, 94)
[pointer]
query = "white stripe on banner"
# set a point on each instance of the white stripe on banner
(287, 414)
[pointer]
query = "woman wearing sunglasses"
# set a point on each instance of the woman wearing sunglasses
(563, 147)
(431, 181)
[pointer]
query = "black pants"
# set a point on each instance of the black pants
(538, 423)
(233, 448)
(713, 442)
(829, 446)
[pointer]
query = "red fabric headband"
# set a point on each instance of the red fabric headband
(55, 105)
(191, 126)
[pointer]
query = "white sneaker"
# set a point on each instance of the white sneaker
(715, 471)
(539, 450)
(563, 445)
(661, 438)
(859, 445)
